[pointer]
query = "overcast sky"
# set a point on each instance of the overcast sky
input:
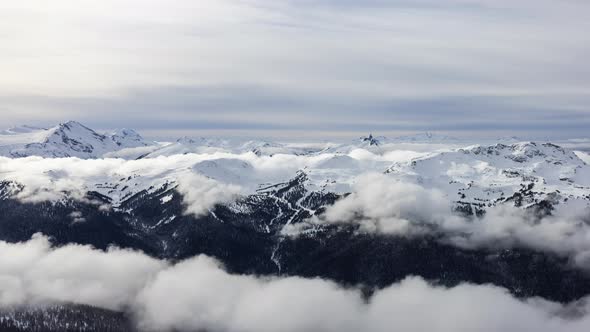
(326, 68)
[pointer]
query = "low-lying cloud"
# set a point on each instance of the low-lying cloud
(383, 204)
(223, 178)
(198, 294)
(33, 272)
(36, 179)
(379, 203)
(200, 193)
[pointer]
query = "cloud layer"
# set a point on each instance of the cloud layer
(383, 204)
(285, 67)
(378, 202)
(204, 179)
(198, 294)
(200, 193)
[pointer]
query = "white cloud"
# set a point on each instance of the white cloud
(378, 202)
(383, 204)
(566, 234)
(201, 194)
(50, 179)
(111, 56)
(33, 273)
(198, 294)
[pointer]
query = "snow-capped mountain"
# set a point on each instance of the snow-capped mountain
(126, 138)
(141, 204)
(474, 176)
(69, 139)
(248, 192)
(201, 145)
(371, 140)
(522, 174)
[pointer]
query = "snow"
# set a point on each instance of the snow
(584, 156)
(166, 199)
(487, 174)
(473, 174)
(69, 139)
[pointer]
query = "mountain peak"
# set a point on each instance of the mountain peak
(71, 123)
(72, 126)
(127, 138)
(66, 139)
(371, 140)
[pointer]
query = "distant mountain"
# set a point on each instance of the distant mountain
(139, 204)
(69, 139)
(522, 174)
(187, 145)
(148, 214)
(371, 140)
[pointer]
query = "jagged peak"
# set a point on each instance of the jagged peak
(71, 124)
(372, 140)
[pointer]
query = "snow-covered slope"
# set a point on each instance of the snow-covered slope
(382, 144)
(476, 176)
(69, 139)
(521, 174)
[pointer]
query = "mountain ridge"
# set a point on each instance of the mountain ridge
(68, 139)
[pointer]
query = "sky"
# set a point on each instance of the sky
(299, 68)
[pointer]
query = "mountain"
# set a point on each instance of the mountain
(524, 174)
(186, 145)
(142, 205)
(69, 139)
(371, 140)
(382, 144)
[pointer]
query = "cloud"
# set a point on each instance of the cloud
(379, 203)
(276, 64)
(198, 294)
(204, 179)
(382, 204)
(34, 273)
(200, 193)
(225, 302)
(565, 233)
(40, 179)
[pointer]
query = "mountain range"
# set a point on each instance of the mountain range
(266, 208)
